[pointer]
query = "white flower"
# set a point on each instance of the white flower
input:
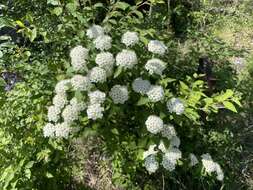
(175, 105)
(119, 94)
(170, 158)
(219, 172)
(151, 164)
(155, 66)
(175, 142)
(97, 75)
(211, 166)
(97, 97)
(126, 59)
(141, 86)
(80, 105)
(70, 113)
(95, 111)
(155, 93)
(208, 163)
(168, 164)
(130, 38)
(151, 150)
(95, 31)
(62, 86)
(154, 124)
(104, 59)
(62, 130)
(80, 82)
(193, 159)
(157, 47)
(60, 100)
(162, 147)
(53, 113)
(79, 55)
(103, 42)
(168, 131)
(48, 130)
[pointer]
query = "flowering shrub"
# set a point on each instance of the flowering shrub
(122, 86)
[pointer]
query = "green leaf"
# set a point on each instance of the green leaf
(183, 85)
(53, 2)
(49, 175)
(57, 11)
(121, 5)
(29, 164)
(71, 7)
(118, 72)
(143, 101)
(228, 94)
(230, 106)
(20, 24)
(78, 95)
(115, 131)
(33, 34)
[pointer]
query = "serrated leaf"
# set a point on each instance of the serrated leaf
(230, 106)
(228, 94)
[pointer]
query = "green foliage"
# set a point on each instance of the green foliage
(30, 161)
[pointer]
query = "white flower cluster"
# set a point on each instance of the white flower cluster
(141, 86)
(151, 151)
(78, 56)
(154, 124)
(119, 94)
(62, 130)
(126, 59)
(70, 113)
(60, 100)
(62, 86)
(171, 154)
(151, 164)
(97, 97)
(53, 113)
(79, 105)
(130, 38)
(211, 166)
(105, 59)
(157, 47)
(175, 105)
(80, 82)
(95, 31)
(103, 42)
(170, 158)
(155, 66)
(95, 110)
(97, 75)
(155, 93)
